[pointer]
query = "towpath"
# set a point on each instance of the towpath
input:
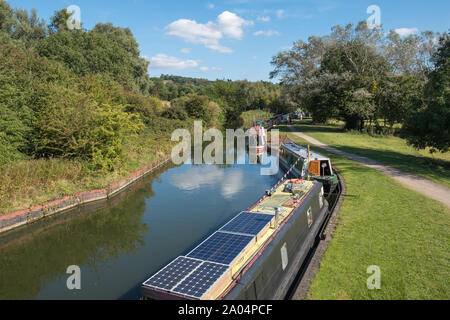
(421, 185)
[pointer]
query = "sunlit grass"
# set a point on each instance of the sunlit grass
(382, 223)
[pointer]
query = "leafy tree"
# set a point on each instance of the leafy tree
(197, 107)
(429, 126)
(58, 22)
(6, 16)
(27, 28)
(73, 125)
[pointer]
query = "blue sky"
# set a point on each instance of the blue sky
(235, 39)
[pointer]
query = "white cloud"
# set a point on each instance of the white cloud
(404, 32)
(231, 24)
(267, 33)
(210, 6)
(186, 50)
(280, 13)
(204, 68)
(209, 34)
(216, 68)
(163, 61)
(264, 19)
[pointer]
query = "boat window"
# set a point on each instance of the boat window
(310, 217)
(292, 159)
(300, 165)
(325, 169)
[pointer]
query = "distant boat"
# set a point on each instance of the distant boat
(258, 137)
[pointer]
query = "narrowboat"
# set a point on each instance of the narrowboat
(311, 166)
(257, 138)
(256, 255)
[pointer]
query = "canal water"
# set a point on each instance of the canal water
(120, 243)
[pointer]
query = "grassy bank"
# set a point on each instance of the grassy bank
(32, 182)
(382, 223)
(389, 150)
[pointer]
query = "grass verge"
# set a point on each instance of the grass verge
(384, 224)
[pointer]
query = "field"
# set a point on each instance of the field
(389, 150)
(382, 223)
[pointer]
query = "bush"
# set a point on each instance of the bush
(197, 107)
(74, 125)
(175, 112)
(145, 107)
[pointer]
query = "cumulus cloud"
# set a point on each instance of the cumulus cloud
(163, 61)
(406, 31)
(228, 24)
(204, 68)
(186, 50)
(267, 33)
(216, 68)
(264, 19)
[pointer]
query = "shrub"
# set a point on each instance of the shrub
(74, 125)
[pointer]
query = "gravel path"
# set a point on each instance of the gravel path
(421, 185)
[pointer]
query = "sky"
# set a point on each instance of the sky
(236, 39)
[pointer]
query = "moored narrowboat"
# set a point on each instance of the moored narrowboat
(311, 166)
(256, 255)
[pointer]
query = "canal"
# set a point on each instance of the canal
(120, 243)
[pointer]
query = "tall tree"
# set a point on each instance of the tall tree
(429, 127)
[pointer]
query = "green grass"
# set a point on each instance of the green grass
(382, 223)
(28, 183)
(249, 116)
(389, 150)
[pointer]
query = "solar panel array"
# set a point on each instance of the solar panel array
(194, 274)
(199, 281)
(221, 247)
(248, 223)
(173, 273)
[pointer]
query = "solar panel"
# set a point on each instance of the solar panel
(173, 273)
(248, 223)
(221, 247)
(199, 281)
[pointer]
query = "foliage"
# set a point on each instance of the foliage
(356, 74)
(430, 125)
(74, 125)
(94, 52)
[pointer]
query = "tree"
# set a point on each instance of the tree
(429, 127)
(197, 107)
(6, 16)
(410, 54)
(28, 28)
(58, 22)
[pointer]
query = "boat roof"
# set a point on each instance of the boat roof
(211, 267)
(302, 151)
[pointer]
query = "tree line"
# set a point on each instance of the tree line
(84, 94)
(372, 80)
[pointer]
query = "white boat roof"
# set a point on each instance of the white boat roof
(303, 152)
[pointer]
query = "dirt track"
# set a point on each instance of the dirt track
(421, 185)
